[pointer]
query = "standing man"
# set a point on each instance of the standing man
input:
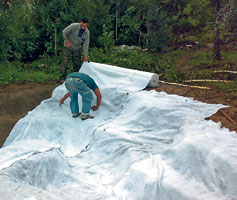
(83, 84)
(75, 35)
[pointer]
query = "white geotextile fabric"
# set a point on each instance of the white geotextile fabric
(141, 145)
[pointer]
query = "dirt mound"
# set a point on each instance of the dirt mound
(17, 100)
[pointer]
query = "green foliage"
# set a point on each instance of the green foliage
(49, 18)
(30, 29)
(4, 42)
(129, 27)
(186, 17)
(160, 31)
(231, 16)
(106, 40)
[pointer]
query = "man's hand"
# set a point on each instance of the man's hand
(69, 44)
(98, 95)
(85, 59)
(61, 101)
(94, 108)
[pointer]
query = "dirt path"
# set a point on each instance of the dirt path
(17, 100)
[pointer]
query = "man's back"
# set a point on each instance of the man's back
(85, 78)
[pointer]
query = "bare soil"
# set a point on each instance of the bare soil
(227, 116)
(17, 100)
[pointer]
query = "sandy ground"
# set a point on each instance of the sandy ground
(17, 100)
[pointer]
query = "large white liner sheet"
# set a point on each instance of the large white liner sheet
(141, 145)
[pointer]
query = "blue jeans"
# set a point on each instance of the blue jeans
(75, 86)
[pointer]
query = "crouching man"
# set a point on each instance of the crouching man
(83, 84)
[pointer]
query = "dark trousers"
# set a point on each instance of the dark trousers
(70, 54)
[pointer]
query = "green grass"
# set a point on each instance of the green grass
(203, 58)
(199, 64)
(230, 87)
(229, 57)
(21, 73)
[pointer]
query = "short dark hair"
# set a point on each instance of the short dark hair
(85, 20)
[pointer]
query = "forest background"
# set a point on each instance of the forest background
(181, 40)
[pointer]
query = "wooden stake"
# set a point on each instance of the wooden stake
(225, 71)
(206, 80)
(160, 75)
(191, 86)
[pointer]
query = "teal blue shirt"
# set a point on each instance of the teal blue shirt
(85, 78)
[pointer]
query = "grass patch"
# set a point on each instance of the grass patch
(229, 58)
(230, 87)
(202, 59)
(24, 73)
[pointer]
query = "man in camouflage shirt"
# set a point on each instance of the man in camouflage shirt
(75, 35)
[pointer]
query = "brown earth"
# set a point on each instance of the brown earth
(17, 100)
(227, 116)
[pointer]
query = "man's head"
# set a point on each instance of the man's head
(84, 23)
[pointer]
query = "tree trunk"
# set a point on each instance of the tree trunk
(148, 34)
(55, 40)
(24, 54)
(139, 37)
(216, 46)
(217, 50)
(140, 30)
(55, 37)
(116, 21)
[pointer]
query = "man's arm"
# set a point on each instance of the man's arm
(66, 32)
(99, 97)
(64, 98)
